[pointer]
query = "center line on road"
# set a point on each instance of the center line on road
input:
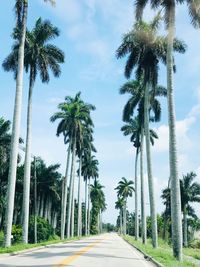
(71, 258)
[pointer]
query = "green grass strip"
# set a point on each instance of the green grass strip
(163, 254)
(20, 247)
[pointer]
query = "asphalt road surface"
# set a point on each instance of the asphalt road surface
(107, 250)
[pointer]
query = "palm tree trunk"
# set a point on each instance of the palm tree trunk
(86, 217)
(120, 218)
(143, 210)
(185, 227)
(46, 208)
(42, 206)
(27, 162)
(64, 196)
(88, 227)
(124, 219)
(69, 213)
(136, 198)
(101, 222)
(79, 198)
(15, 132)
(175, 186)
(149, 170)
(73, 205)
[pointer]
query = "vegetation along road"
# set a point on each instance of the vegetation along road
(105, 250)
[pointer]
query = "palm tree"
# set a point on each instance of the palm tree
(119, 204)
(74, 116)
(21, 10)
(84, 146)
(169, 14)
(89, 170)
(146, 50)
(166, 201)
(124, 190)
(190, 192)
(134, 127)
(97, 198)
(40, 57)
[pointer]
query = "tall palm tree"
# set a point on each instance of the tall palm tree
(134, 127)
(119, 204)
(167, 212)
(21, 10)
(84, 146)
(89, 170)
(74, 115)
(169, 8)
(136, 89)
(97, 198)
(190, 192)
(40, 57)
(146, 49)
(125, 189)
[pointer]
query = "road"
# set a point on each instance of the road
(107, 250)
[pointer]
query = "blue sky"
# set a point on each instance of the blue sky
(91, 31)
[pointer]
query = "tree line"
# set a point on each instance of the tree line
(145, 50)
(54, 195)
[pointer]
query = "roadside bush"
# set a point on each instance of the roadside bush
(195, 243)
(17, 234)
(1, 238)
(44, 230)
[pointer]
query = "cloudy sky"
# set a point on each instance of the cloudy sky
(91, 31)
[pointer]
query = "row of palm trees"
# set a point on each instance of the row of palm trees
(190, 193)
(48, 184)
(76, 126)
(146, 50)
(33, 52)
(124, 190)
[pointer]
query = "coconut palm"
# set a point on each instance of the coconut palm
(169, 8)
(40, 57)
(146, 49)
(21, 9)
(190, 193)
(124, 190)
(74, 115)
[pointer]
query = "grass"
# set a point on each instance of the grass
(162, 255)
(193, 252)
(20, 247)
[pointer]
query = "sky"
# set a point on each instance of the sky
(90, 33)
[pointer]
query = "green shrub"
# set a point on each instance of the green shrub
(44, 230)
(17, 234)
(195, 243)
(1, 238)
